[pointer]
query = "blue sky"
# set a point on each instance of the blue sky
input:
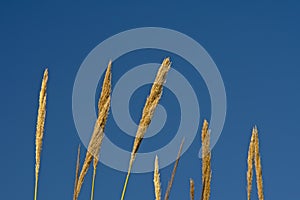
(255, 46)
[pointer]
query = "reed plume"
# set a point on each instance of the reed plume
(147, 114)
(258, 167)
(170, 183)
(206, 161)
(156, 180)
(254, 154)
(76, 172)
(40, 129)
(250, 165)
(98, 133)
(192, 189)
(101, 104)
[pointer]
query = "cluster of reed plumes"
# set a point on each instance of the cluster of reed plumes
(94, 147)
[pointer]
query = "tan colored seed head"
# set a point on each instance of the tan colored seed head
(250, 165)
(40, 129)
(98, 133)
(206, 161)
(156, 180)
(147, 114)
(258, 167)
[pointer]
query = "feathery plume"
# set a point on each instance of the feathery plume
(40, 129)
(101, 104)
(174, 171)
(206, 159)
(258, 167)
(148, 111)
(250, 165)
(156, 180)
(98, 133)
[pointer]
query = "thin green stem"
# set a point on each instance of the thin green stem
(93, 183)
(125, 186)
(36, 187)
(127, 178)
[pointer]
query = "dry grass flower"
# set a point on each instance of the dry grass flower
(206, 161)
(40, 129)
(156, 180)
(147, 114)
(98, 133)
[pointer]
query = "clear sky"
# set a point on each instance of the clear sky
(255, 46)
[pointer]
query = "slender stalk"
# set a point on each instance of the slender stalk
(148, 111)
(98, 133)
(94, 178)
(35, 188)
(101, 104)
(76, 172)
(126, 183)
(126, 180)
(174, 171)
(40, 130)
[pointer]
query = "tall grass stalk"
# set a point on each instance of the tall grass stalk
(170, 183)
(147, 114)
(40, 129)
(98, 133)
(76, 172)
(101, 105)
(95, 163)
(206, 161)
